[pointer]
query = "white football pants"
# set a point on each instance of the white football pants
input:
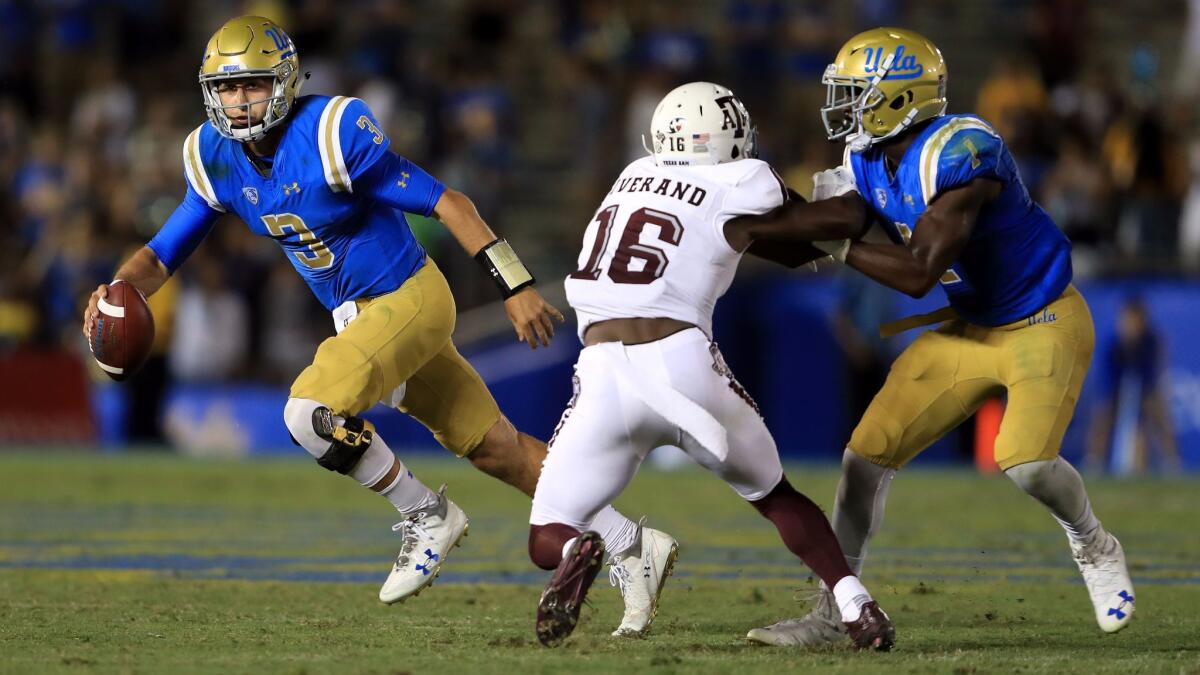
(631, 399)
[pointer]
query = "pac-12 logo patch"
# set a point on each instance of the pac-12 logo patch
(251, 194)
(881, 197)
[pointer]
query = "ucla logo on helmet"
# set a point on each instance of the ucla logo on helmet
(904, 66)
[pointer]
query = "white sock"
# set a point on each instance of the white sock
(1058, 486)
(620, 534)
(850, 595)
(567, 547)
(406, 493)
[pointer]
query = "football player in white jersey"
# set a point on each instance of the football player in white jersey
(655, 259)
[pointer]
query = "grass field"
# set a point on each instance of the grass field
(149, 564)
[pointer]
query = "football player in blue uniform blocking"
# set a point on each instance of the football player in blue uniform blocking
(947, 192)
(315, 174)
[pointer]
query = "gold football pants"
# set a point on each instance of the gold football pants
(404, 338)
(947, 373)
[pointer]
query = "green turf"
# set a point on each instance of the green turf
(156, 564)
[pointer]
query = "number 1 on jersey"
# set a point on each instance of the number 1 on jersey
(630, 248)
(591, 271)
(950, 277)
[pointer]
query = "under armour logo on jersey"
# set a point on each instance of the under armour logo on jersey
(430, 557)
(293, 188)
(881, 197)
(403, 182)
(251, 194)
(908, 200)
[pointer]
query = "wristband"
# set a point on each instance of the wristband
(505, 268)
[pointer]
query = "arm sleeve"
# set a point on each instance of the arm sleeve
(401, 184)
(968, 151)
(191, 222)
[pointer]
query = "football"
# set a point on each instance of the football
(122, 332)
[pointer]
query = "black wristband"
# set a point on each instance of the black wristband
(504, 267)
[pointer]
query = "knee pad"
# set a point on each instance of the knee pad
(337, 444)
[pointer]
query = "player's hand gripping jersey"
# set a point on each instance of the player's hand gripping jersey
(657, 247)
(332, 198)
(1016, 261)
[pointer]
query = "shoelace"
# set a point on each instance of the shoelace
(812, 600)
(1103, 581)
(618, 575)
(412, 530)
(819, 604)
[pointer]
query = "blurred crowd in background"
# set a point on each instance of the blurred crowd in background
(532, 108)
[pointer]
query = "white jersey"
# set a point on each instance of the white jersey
(657, 246)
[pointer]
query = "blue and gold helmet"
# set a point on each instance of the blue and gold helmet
(882, 82)
(250, 46)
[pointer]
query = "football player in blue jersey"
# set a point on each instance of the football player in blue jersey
(315, 174)
(947, 192)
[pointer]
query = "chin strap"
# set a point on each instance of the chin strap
(861, 140)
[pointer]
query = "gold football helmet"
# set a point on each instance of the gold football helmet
(882, 82)
(250, 46)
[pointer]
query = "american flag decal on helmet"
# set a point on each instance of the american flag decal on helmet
(700, 142)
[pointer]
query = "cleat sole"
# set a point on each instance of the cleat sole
(558, 614)
(668, 571)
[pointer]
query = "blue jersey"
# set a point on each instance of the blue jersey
(333, 199)
(1016, 260)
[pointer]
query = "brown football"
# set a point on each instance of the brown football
(122, 332)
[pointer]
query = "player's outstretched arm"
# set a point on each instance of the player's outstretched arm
(938, 238)
(144, 270)
(532, 317)
(842, 217)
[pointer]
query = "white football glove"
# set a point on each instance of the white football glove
(832, 183)
(837, 249)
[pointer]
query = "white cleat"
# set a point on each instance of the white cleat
(1102, 564)
(427, 537)
(821, 627)
(641, 579)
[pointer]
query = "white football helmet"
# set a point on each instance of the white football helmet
(699, 124)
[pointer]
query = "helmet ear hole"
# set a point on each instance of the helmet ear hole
(901, 100)
(735, 153)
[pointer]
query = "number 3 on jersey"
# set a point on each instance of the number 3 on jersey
(630, 248)
(318, 256)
